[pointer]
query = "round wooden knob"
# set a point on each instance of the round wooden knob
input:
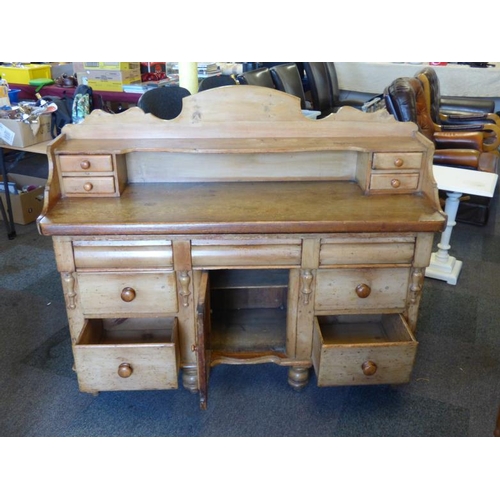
(85, 164)
(395, 183)
(398, 162)
(128, 294)
(363, 290)
(369, 368)
(125, 370)
(88, 186)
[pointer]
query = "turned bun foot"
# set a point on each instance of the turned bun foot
(190, 379)
(298, 377)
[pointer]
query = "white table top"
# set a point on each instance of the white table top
(464, 181)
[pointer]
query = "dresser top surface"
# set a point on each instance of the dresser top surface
(241, 207)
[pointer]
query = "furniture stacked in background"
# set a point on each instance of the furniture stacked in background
(407, 100)
(112, 101)
(203, 240)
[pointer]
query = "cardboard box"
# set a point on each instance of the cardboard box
(26, 73)
(107, 86)
(105, 76)
(120, 66)
(26, 207)
(20, 134)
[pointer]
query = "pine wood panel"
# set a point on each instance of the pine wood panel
(336, 289)
(101, 293)
(247, 207)
(123, 254)
(150, 349)
(341, 348)
(83, 164)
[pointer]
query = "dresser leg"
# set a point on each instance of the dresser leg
(190, 379)
(298, 377)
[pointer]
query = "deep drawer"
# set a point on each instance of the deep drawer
(105, 294)
(78, 163)
(359, 350)
(122, 254)
(127, 354)
(370, 289)
(397, 160)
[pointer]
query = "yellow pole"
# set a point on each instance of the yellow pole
(188, 76)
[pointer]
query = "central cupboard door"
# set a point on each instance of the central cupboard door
(244, 316)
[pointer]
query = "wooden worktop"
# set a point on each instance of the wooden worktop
(241, 207)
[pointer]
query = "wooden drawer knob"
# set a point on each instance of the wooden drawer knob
(395, 183)
(88, 186)
(125, 370)
(85, 164)
(369, 368)
(128, 294)
(398, 162)
(363, 290)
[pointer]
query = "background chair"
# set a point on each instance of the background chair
(212, 82)
(323, 85)
(405, 99)
(455, 105)
(286, 77)
(488, 123)
(335, 89)
(163, 102)
(259, 76)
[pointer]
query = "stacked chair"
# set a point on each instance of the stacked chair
(325, 92)
(458, 120)
(212, 82)
(472, 148)
(286, 77)
(258, 76)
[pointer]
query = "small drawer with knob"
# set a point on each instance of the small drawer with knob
(89, 186)
(86, 164)
(363, 350)
(123, 293)
(396, 161)
(394, 182)
(127, 354)
(368, 290)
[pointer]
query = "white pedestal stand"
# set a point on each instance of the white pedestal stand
(443, 266)
(455, 181)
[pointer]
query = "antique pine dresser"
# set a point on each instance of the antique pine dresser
(241, 232)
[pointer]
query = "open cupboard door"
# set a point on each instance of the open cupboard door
(202, 334)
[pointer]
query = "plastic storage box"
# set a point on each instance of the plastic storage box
(25, 73)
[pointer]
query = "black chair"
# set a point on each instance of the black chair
(259, 76)
(212, 82)
(337, 102)
(286, 78)
(163, 102)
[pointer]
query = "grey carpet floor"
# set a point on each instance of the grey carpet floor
(454, 389)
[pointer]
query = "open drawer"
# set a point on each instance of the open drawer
(363, 349)
(127, 354)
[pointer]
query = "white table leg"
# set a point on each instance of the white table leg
(443, 266)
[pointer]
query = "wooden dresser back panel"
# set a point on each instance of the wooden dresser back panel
(216, 167)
